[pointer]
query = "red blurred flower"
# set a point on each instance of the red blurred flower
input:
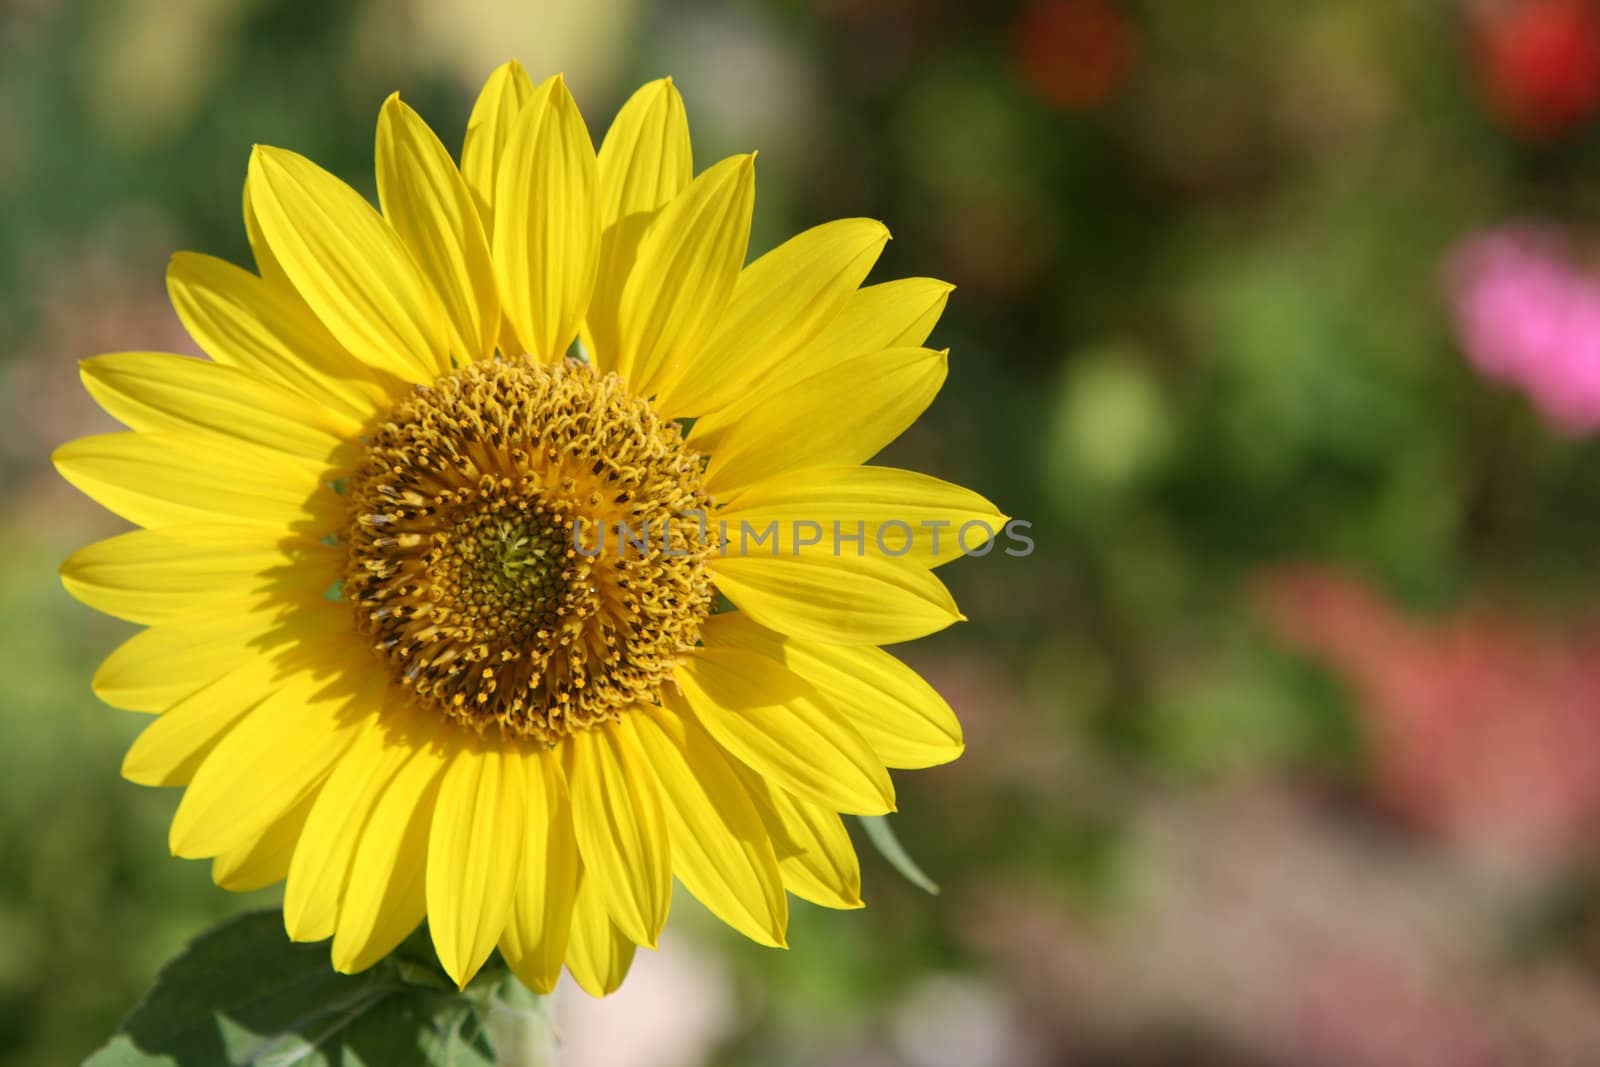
(1483, 727)
(1539, 62)
(1075, 54)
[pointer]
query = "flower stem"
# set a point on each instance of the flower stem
(522, 1027)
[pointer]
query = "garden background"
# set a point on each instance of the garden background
(1283, 746)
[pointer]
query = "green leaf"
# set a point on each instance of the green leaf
(889, 847)
(244, 995)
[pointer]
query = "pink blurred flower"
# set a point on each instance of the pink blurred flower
(1528, 314)
(1483, 727)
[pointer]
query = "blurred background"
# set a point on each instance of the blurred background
(1280, 323)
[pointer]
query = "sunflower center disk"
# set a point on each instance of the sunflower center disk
(484, 561)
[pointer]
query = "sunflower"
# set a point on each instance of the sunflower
(393, 657)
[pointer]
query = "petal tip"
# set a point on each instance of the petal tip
(266, 155)
(60, 456)
(451, 963)
(180, 847)
(262, 156)
(131, 772)
(560, 92)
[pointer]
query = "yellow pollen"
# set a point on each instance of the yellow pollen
(464, 567)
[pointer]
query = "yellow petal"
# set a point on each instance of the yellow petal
(829, 419)
(644, 162)
(620, 828)
(385, 896)
(159, 666)
(897, 314)
(166, 479)
(267, 265)
(770, 718)
(258, 863)
(157, 391)
(475, 854)
(855, 510)
(684, 274)
(270, 761)
(547, 222)
(504, 95)
(427, 202)
(838, 600)
(781, 301)
(151, 576)
(242, 321)
(598, 953)
(815, 855)
(171, 748)
(907, 723)
(535, 939)
(321, 862)
(489, 129)
(349, 266)
(720, 849)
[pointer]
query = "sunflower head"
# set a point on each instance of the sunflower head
(449, 609)
(471, 559)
